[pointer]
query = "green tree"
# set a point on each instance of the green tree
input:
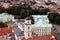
(14, 10)
(51, 17)
(32, 19)
(3, 25)
(2, 10)
(57, 19)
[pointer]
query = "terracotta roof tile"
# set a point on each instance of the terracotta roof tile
(46, 37)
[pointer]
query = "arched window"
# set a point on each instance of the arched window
(28, 27)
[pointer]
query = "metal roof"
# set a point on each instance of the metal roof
(41, 21)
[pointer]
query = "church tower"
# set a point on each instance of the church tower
(27, 28)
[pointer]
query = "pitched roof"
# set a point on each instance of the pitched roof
(17, 31)
(41, 21)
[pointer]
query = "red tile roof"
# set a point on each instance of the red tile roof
(5, 30)
(46, 37)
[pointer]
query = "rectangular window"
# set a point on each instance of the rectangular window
(28, 34)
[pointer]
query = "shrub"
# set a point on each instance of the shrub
(51, 17)
(35, 12)
(57, 19)
(14, 10)
(43, 11)
(40, 11)
(3, 25)
(41, 7)
(2, 9)
(20, 11)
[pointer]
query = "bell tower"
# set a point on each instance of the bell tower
(27, 28)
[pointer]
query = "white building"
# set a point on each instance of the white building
(39, 28)
(4, 17)
(27, 28)
(42, 29)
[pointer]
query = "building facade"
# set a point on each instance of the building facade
(27, 29)
(42, 30)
